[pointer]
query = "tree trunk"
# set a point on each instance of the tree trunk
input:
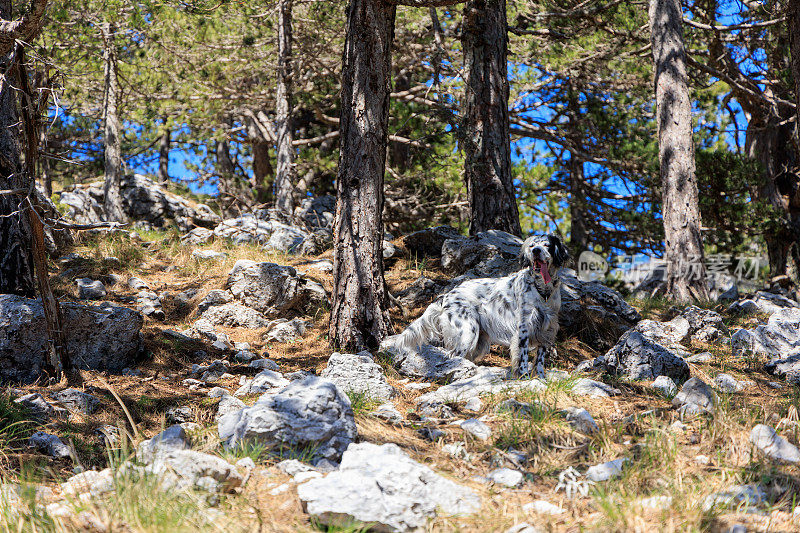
(263, 173)
(44, 163)
(578, 236)
(486, 142)
(358, 315)
(112, 129)
(685, 276)
(16, 258)
(163, 155)
(793, 12)
(285, 177)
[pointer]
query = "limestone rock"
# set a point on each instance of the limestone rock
(383, 487)
(308, 412)
(773, 445)
(98, 338)
(358, 374)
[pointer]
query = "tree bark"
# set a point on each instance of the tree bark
(16, 257)
(685, 275)
(286, 175)
(486, 141)
(163, 155)
(578, 236)
(112, 129)
(263, 173)
(358, 316)
(793, 21)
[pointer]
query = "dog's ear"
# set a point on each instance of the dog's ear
(559, 252)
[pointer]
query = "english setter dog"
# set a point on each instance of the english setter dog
(519, 311)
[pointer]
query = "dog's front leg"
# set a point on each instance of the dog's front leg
(520, 344)
(541, 352)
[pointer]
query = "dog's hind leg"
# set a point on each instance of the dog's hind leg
(461, 333)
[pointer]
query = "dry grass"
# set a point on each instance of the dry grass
(635, 425)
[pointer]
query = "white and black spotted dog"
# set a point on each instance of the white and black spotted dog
(519, 311)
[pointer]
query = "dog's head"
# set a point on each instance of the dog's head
(544, 255)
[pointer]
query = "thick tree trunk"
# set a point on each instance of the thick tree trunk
(358, 316)
(163, 155)
(112, 142)
(263, 173)
(16, 258)
(578, 236)
(486, 142)
(685, 277)
(793, 12)
(285, 177)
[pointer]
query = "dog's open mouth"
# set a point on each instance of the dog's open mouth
(540, 267)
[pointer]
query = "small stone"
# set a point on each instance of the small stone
(677, 427)
(178, 415)
(49, 444)
(773, 445)
(457, 450)
(474, 404)
(436, 410)
(292, 467)
(264, 364)
(76, 400)
(506, 477)
(593, 389)
(387, 412)
(580, 419)
(206, 255)
(137, 284)
(36, 403)
(542, 507)
(244, 356)
(514, 406)
(702, 460)
(246, 462)
(657, 503)
(740, 497)
(431, 434)
(476, 428)
(701, 358)
(694, 398)
(171, 439)
(665, 385)
(89, 289)
(605, 471)
(727, 383)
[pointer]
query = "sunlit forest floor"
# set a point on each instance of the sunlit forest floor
(673, 468)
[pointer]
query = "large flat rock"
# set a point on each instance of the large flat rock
(98, 337)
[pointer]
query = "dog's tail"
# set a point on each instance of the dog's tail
(422, 331)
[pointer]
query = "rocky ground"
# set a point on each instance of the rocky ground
(212, 400)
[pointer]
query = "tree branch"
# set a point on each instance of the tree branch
(733, 27)
(425, 3)
(23, 29)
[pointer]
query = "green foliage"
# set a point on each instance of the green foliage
(727, 184)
